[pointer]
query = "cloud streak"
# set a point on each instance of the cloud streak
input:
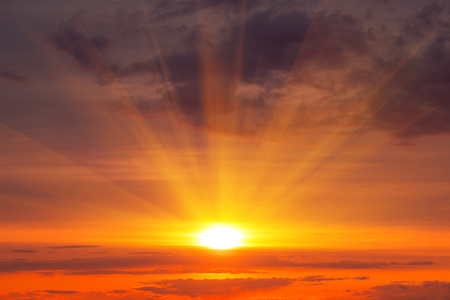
(13, 76)
(23, 251)
(86, 51)
(207, 287)
(74, 246)
(117, 264)
(436, 290)
(164, 271)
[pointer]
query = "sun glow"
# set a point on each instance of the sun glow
(221, 237)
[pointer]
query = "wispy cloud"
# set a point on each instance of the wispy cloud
(205, 287)
(120, 265)
(23, 251)
(13, 76)
(436, 290)
(320, 278)
(164, 271)
(86, 51)
(74, 246)
(59, 292)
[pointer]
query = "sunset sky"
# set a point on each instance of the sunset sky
(317, 130)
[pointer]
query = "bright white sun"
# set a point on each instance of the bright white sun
(221, 237)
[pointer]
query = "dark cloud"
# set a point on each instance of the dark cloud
(118, 291)
(74, 246)
(421, 109)
(274, 38)
(13, 76)
(361, 278)
(271, 44)
(271, 49)
(116, 265)
(100, 263)
(436, 290)
(67, 294)
(205, 287)
(425, 20)
(419, 263)
(162, 271)
(165, 10)
(46, 273)
(278, 41)
(129, 23)
(320, 278)
(23, 251)
(148, 253)
(26, 295)
(349, 264)
(86, 51)
(60, 292)
(414, 102)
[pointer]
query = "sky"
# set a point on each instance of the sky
(318, 129)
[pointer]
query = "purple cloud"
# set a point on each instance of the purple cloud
(13, 76)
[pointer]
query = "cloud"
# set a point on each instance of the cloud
(148, 253)
(320, 278)
(25, 295)
(273, 37)
(287, 41)
(419, 263)
(350, 264)
(118, 291)
(13, 76)
(60, 292)
(75, 43)
(436, 290)
(205, 287)
(23, 251)
(274, 49)
(86, 51)
(97, 295)
(74, 246)
(426, 19)
(175, 9)
(415, 101)
(162, 271)
(46, 273)
(240, 264)
(349, 52)
(332, 59)
(361, 278)
(99, 263)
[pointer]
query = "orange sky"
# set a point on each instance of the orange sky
(318, 129)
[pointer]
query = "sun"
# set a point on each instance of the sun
(221, 237)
